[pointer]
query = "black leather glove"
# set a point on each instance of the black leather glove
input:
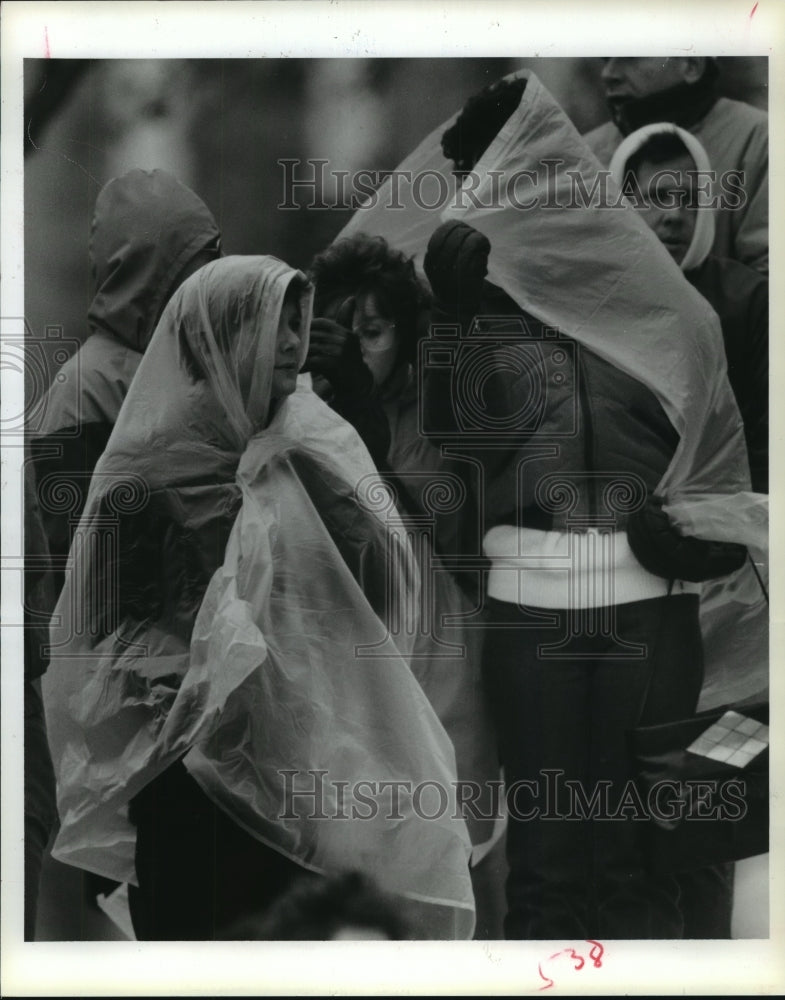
(456, 263)
(662, 550)
(334, 352)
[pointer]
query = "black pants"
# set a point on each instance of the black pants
(566, 718)
(199, 872)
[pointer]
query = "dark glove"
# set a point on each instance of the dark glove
(456, 263)
(660, 549)
(334, 352)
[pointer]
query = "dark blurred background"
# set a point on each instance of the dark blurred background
(222, 125)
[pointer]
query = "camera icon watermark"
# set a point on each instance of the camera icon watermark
(30, 366)
(424, 620)
(501, 372)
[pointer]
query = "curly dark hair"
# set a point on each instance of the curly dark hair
(479, 122)
(361, 264)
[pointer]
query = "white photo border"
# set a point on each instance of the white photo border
(363, 28)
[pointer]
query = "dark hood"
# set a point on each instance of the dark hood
(147, 226)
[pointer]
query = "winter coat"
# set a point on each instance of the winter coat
(146, 229)
(579, 416)
(740, 297)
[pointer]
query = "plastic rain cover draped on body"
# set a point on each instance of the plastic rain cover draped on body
(271, 680)
(599, 275)
(737, 634)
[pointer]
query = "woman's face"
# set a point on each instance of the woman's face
(287, 350)
(379, 341)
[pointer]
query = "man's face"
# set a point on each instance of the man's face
(669, 202)
(629, 78)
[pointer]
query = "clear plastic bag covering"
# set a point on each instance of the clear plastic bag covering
(589, 266)
(596, 273)
(734, 611)
(294, 675)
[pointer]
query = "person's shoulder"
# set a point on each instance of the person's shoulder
(497, 304)
(101, 360)
(67, 380)
(739, 114)
(603, 140)
(601, 132)
(94, 352)
(727, 270)
(86, 387)
(731, 287)
(100, 344)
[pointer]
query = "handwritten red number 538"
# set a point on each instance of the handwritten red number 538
(595, 957)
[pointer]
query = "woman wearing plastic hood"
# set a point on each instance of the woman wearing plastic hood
(584, 380)
(664, 171)
(229, 698)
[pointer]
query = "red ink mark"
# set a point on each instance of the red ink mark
(48, 54)
(572, 953)
(548, 982)
(595, 954)
(752, 12)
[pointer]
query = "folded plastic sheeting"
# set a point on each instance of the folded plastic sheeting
(336, 716)
(734, 611)
(569, 250)
(289, 693)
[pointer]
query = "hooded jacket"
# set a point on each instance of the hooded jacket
(737, 293)
(736, 138)
(147, 228)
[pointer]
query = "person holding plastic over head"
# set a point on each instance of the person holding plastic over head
(229, 702)
(586, 381)
(369, 307)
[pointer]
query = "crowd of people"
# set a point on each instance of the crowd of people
(343, 567)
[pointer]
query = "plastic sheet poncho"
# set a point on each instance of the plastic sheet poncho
(734, 616)
(569, 250)
(293, 676)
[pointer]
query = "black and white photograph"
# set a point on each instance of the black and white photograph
(388, 425)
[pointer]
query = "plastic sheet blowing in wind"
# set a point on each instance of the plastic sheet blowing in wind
(216, 615)
(587, 265)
